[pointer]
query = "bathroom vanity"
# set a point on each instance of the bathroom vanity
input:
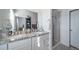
(32, 41)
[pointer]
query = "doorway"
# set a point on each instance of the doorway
(74, 28)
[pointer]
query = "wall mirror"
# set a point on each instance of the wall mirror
(24, 20)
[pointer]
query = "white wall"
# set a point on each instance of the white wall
(64, 27)
(46, 19)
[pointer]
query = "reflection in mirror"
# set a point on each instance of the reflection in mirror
(19, 23)
(22, 21)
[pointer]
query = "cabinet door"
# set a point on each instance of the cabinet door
(20, 45)
(44, 42)
(28, 44)
(40, 42)
(35, 44)
(3, 47)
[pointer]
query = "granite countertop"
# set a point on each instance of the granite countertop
(21, 37)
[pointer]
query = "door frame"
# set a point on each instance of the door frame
(70, 28)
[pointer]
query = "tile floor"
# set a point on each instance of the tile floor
(63, 47)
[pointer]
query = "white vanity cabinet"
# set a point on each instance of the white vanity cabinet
(45, 39)
(3, 47)
(24, 44)
(36, 43)
(41, 42)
